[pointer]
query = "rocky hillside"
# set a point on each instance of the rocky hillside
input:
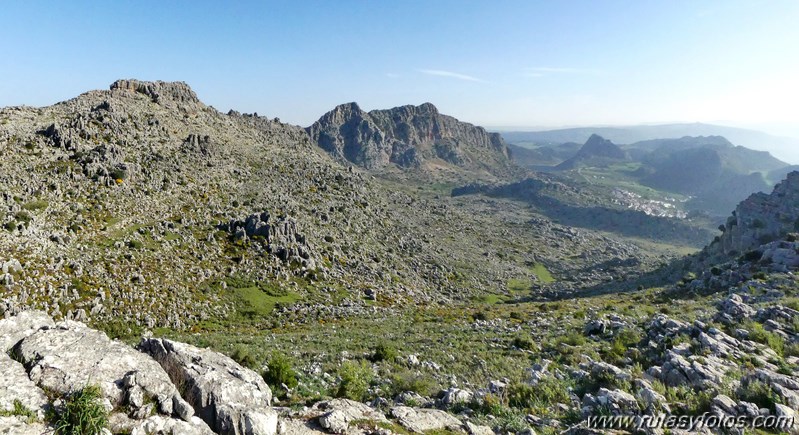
(141, 207)
(408, 137)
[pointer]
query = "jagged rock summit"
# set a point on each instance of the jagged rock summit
(407, 136)
(761, 218)
(597, 151)
(158, 91)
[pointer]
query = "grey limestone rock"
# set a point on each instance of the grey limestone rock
(232, 399)
(160, 425)
(16, 386)
(70, 356)
(15, 328)
(19, 426)
(423, 420)
(406, 136)
(340, 412)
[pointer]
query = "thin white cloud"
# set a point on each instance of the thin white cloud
(450, 74)
(541, 71)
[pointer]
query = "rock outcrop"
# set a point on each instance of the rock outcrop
(141, 396)
(761, 218)
(69, 356)
(280, 234)
(232, 399)
(159, 91)
(407, 136)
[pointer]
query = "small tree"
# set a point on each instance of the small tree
(355, 380)
(279, 372)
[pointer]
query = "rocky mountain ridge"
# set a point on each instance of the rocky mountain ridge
(408, 137)
(140, 211)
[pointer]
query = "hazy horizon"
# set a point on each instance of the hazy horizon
(545, 64)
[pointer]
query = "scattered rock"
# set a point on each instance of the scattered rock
(340, 412)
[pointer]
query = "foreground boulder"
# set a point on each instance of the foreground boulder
(233, 400)
(423, 420)
(341, 412)
(70, 356)
(169, 426)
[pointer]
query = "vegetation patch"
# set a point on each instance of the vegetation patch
(83, 413)
(542, 273)
(19, 410)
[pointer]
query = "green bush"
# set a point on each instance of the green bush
(758, 393)
(135, 244)
(572, 339)
(410, 381)
(546, 392)
(279, 372)
(384, 352)
(83, 413)
(791, 349)
(355, 380)
(693, 402)
(759, 334)
(243, 356)
(524, 343)
(23, 216)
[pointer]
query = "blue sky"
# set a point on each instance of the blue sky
(494, 63)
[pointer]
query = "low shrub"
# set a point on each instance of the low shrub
(355, 380)
(546, 392)
(243, 356)
(409, 381)
(384, 352)
(758, 393)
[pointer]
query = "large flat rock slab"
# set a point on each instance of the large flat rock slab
(14, 329)
(70, 356)
(421, 420)
(232, 399)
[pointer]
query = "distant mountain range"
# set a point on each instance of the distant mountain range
(785, 148)
(715, 173)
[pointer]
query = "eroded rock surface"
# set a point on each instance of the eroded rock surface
(70, 356)
(230, 398)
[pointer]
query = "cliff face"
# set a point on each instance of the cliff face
(762, 218)
(407, 136)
